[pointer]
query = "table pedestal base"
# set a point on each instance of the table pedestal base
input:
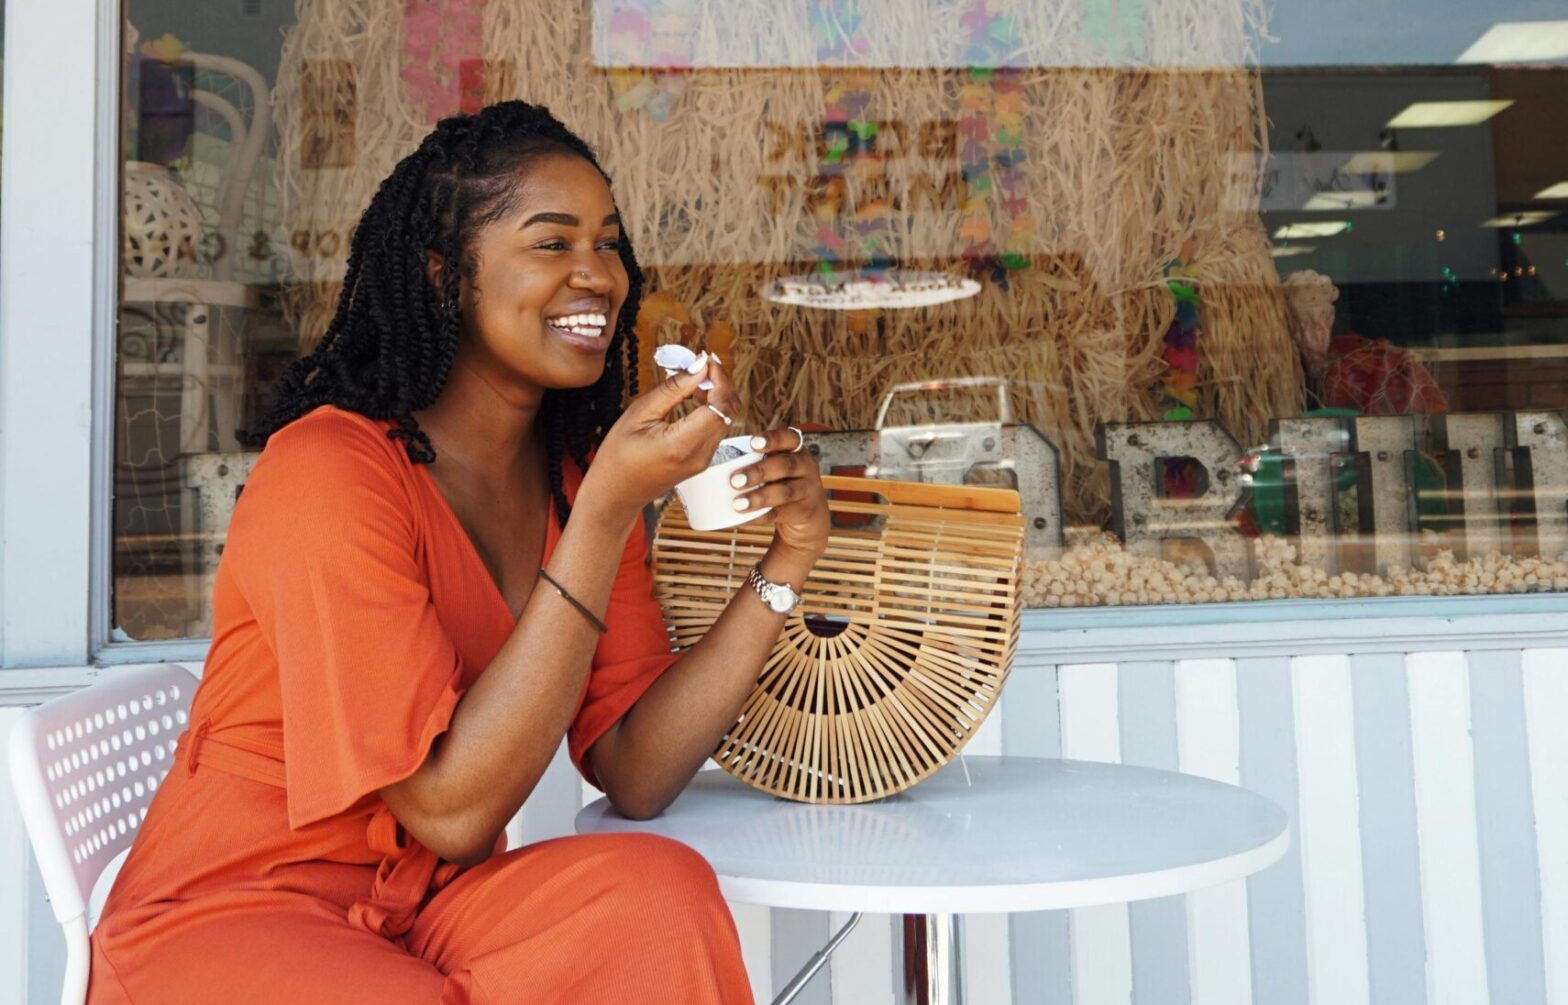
(933, 968)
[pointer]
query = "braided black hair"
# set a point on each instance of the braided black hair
(389, 347)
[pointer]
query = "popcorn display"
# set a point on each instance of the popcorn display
(1096, 571)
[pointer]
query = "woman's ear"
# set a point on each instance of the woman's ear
(433, 270)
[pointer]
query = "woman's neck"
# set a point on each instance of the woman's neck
(487, 430)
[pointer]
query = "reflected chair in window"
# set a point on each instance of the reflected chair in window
(213, 481)
(85, 767)
(182, 372)
(179, 292)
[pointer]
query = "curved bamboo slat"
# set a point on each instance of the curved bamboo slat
(899, 649)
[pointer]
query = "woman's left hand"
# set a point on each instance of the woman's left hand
(788, 480)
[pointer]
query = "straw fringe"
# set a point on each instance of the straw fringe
(1121, 168)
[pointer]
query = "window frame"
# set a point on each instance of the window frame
(57, 239)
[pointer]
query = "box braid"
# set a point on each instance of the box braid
(389, 347)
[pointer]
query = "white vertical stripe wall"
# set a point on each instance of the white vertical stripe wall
(1101, 936)
(1546, 718)
(1084, 705)
(987, 950)
(1330, 831)
(1446, 828)
(16, 863)
(1208, 743)
(1209, 733)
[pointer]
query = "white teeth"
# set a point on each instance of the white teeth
(579, 320)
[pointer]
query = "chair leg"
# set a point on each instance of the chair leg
(799, 981)
(78, 961)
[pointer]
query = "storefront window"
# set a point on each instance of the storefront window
(1246, 304)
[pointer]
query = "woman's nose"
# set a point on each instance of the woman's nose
(590, 274)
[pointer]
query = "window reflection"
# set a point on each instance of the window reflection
(1278, 309)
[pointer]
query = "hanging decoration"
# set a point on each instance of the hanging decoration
(996, 223)
(443, 68)
(1179, 386)
(657, 35)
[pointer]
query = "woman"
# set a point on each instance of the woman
(418, 599)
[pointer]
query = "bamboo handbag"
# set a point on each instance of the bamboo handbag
(897, 653)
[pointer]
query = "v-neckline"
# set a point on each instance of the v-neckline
(551, 534)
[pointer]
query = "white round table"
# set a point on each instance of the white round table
(983, 834)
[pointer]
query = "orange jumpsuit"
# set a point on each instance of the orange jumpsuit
(351, 612)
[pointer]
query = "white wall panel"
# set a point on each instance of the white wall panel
(1546, 716)
(1330, 831)
(1101, 936)
(1208, 735)
(1445, 828)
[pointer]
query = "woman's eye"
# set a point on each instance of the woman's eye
(554, 244)
(613, 244)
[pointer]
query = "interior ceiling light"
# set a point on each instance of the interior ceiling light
(854, 291)
(1333, 202)
(1528, 218)
(1388, 161)
(1437, 114)
(1324, 228)
(1519, 42)
(1558, 191)
(1293, 250)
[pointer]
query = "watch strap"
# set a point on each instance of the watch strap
(767, 589)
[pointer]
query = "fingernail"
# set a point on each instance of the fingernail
(743, 504)
(738, 481)
(759, 443)
(699, 364)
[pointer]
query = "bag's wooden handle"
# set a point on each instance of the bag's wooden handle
(967, 497)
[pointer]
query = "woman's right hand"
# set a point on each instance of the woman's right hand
(644, 454)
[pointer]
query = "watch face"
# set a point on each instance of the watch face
(781, 600)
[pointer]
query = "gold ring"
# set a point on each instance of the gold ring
(715, 410)
(802, 444)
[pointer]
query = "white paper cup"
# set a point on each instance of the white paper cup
(709, 499)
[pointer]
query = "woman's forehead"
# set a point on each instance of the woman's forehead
(563, 183)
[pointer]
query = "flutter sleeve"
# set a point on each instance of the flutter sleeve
(367, 674)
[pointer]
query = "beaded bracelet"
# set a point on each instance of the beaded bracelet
(573, 601)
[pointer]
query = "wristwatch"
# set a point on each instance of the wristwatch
(778, 596)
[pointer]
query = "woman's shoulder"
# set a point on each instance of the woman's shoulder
(325, 451)
(329, 423)
(333, 437)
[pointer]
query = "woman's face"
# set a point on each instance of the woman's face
(540, 307)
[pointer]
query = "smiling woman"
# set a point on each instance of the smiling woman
(386, 684)
(508, 282)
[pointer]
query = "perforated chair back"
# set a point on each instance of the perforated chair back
(84, 767)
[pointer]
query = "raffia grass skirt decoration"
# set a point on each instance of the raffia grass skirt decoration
(1128, 154)
(898, 652)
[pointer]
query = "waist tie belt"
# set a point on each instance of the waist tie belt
(407, 872)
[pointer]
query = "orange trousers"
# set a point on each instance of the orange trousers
(622, 918)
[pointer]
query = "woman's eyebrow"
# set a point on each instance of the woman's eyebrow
(567, 220)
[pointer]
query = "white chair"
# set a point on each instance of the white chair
(84, 767)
